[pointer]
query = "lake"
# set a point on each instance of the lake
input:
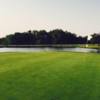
(85, 50)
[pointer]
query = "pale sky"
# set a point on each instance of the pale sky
(78, 16)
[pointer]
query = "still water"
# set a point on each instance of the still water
(85, 50)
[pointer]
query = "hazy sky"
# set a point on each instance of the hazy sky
(78, 16)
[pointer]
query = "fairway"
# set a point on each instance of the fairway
(49, 76)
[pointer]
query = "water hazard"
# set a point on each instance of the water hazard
(85, 50)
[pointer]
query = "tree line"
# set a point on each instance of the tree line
(43, 37)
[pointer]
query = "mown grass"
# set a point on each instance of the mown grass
(49, 76)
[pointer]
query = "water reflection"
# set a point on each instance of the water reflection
(47, 49)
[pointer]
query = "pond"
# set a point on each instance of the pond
(85, 50)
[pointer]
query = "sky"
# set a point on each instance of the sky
(78, 16)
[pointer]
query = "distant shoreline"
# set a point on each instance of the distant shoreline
(93, 46)
(39, 46)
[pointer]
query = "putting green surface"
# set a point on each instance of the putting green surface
(49, 76)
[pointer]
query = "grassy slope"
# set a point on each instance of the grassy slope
(49, 76)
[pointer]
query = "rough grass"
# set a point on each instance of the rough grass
(49, 76)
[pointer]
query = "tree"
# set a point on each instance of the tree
(95, 38)
(82, 40)
(58, 36)
(42, 37)
(71, 38)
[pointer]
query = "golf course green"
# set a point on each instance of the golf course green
(49, 76)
